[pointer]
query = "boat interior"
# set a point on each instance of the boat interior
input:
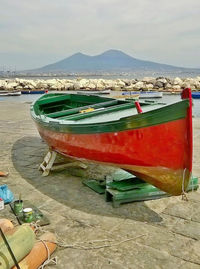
(76, 107)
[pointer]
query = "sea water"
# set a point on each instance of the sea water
(168, 98)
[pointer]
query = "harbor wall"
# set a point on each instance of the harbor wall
(146, 83)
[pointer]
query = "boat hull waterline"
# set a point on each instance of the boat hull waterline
(160, 154)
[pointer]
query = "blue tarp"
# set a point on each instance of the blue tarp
(6, 194)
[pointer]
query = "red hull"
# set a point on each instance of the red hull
(159, 154)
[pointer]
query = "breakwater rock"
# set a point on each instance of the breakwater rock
(147, 83)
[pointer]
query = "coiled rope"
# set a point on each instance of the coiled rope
(184, 194)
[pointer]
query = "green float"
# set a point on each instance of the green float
(20, 240)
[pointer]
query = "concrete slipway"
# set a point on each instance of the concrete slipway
(163, 233)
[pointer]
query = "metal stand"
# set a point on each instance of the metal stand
(49, 164)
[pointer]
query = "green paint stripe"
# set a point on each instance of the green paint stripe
(154, 117)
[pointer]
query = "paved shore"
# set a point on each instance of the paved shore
(163, 233)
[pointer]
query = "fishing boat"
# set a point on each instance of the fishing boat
(151, 140)
(34, 91)
(10, 93)
(196, 95)
(127, 97)
(145, 94)
(94, 92)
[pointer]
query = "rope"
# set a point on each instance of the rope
(89, 245)
(184, 194)
(49, 259)
(37, 227)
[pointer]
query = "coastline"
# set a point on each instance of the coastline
(162, 84)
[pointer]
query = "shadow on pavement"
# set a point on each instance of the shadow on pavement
(28, 154)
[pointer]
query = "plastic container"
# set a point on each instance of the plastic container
(28, 214)
(18, 206)
(1, 204)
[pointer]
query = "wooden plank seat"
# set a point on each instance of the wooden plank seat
(99, 111)
(72, 111)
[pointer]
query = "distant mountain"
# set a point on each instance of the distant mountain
(109, 61)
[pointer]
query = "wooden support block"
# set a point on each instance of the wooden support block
(49, 163)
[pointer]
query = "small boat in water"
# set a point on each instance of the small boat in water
(127, 97)
(196, 95)
(94, 92)
(10, 93)
(145, 94)
(34, 91)
(152, 141)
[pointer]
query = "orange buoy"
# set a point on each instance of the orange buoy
(6, 225)
(3, 174)
(39, 252)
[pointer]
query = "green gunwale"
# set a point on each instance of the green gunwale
(161, 115)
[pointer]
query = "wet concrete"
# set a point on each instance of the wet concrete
(163, 233)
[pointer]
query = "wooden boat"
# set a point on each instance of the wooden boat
(196, 95)
(10, 93)
(94, 92)
(132, 96)
(154, 142)
(34, 91)
(145, 94)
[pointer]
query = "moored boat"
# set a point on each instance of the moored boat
(152, 141)
(34, 91)
(196, 95)
(94, 92)
(127, 97)
(145, 94)
(10, 93)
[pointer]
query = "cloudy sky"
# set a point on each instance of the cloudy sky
(34, 33)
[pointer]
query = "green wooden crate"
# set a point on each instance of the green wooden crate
(121, 192)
